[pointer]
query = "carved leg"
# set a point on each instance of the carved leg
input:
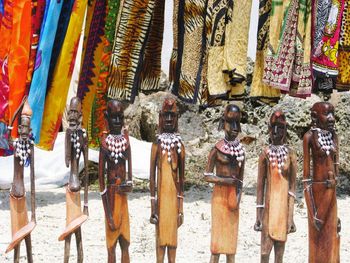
(171, 254)
(214, 258)
(111, 253)
(28, 242)
(160, 254)
(230, 258)
(279, 251)
(266, 247)
(67, 248)
(78, 239)
(16, 253)
(124, 246)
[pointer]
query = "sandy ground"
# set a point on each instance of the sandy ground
(194, 235)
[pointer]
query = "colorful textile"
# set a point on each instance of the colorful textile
(174, 53)
(38, 11)
(5, 40)
(189, 83)
(38, 86)
(56, 97)
(287, 57)
(18, 57)
(127, 54)
(92, 52)
(326, 38)
(259, 90)
(343, 80)
(1, 7)
(97, 122)
(61, 31)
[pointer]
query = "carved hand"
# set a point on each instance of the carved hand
(339, 226)
(318, 224)
(258, 225)
(154, 219)
(291, 227)
(180, 219)
(86, 210)
(111, 225)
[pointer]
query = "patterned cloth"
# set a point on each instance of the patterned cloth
(259, 90)
(343, 80)
(287, 60)
(57, 95)
(38, 86)
(132, 32)
(92, 52)
(97, 123)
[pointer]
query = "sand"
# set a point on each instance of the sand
(194, 235)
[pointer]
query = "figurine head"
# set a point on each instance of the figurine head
(74, 113)
(322, 115)
(278, 128)
(24, 126)
(168, 116)
(115, 116)
(230, 122)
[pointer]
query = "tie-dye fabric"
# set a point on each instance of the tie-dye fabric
(57, 94)
(38, 86)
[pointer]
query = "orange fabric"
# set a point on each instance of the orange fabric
(18, 58)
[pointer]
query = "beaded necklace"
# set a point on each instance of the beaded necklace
(169, 141)
(116, 145)
(325, 139)
(74, 138)
(22, 149)
(277, 156)
(234, 148)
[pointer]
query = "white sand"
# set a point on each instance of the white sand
(194, 235)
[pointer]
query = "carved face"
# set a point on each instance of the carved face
(323, 116)
(168, 116)
(24, 129)
(232, 118)
(74, 113)
(278, 128)
(115, 116)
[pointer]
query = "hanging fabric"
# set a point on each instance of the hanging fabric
(259, 90)
(343, 79)
(61, 32)
(287, 59)
(92, 53)
(189, 82)
(57, 94)
(38, 86)
(127, 54)
(97, 123)
(38, 11)
(326, 32)
(18, 57)
(151, 64)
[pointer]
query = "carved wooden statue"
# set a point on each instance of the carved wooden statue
(76, 144)
(275, 190)
(23, 157)
(114, 153)
(167, 176)
(228, 159)
(321, 150)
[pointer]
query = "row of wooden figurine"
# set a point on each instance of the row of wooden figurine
(275, 189)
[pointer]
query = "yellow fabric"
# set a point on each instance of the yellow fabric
(57, 94)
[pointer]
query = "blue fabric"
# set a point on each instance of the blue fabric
(38, 87)
(60, 35)
(2, 7)
(3, 136)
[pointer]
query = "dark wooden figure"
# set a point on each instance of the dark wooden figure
(167, 175)
(321, 156)
(76, 144)
(228, 159)
(23, 156)
(276, 190)
(115, 152)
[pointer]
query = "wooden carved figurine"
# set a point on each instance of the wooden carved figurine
(23, 157)
(114, 153)
(167, 176)
(76, 144)
(275, 190)
(321, 150)
(228, 159)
